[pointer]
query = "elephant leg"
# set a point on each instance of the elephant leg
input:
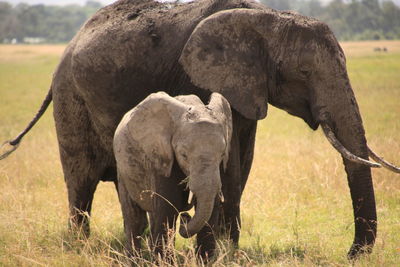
(135, 220)
(80, 199)
(206, 238)
(82, 174)
(167, 203)
(163, 226)
(247, 142)
(81, 156)
(231, 189)
(235, 176)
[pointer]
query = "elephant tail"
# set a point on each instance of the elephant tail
(15, 142)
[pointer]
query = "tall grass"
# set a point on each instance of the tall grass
(296, 208)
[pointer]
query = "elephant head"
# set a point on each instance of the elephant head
(259, 56)
(162, 128)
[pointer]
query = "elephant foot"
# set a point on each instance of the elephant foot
(205, 238)
(79, 226)
(206, 244)
(206, 252)
(358, 250)
(164, 250)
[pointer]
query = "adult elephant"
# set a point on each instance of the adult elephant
(247, 52)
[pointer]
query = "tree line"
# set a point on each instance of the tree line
(352, 19)
(43, 23)
(349, 20)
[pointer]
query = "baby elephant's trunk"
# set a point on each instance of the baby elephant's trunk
(191, 226)
(205, 192)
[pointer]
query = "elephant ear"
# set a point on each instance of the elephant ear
(221, 106)
(142, 145)
(226, 54)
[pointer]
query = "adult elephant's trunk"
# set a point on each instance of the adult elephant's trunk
(205, 188)
(342, 124)
(361, 187)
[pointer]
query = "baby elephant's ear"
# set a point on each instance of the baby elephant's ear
(142, 145)
(151, 125)
(220, 105)
(226, 54)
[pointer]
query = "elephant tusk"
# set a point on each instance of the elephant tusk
(190, 197)
(384, 163)
(221, 196)
(343, 151)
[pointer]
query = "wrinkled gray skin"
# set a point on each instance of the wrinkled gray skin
(250, 54)
(147, 140)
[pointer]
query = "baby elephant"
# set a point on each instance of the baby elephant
(150, 137)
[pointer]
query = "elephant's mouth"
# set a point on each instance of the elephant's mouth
(311, 122)
(299, 107)
(305, 112)
(192, 198)
(309, 118)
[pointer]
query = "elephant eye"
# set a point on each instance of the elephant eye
(305, 73)
(184, 156)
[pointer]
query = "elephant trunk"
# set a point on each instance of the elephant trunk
(341, 122)
(361, 187)
(205, 188)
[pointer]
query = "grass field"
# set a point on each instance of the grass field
(296, 208)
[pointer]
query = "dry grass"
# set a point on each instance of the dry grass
(366, 48)
(296, 206)
(12, 53)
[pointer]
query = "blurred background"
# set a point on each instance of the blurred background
(49, 21)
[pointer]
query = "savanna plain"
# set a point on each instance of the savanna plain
(296, 208)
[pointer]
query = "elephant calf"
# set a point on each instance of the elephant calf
(147, 141)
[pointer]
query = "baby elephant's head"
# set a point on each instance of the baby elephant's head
(201, 142)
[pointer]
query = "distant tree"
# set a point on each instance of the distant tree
(93, 4)
(6, 20)
(372, 5)
(315, 8)
(91, 7)
(354, 19)
(390, 20)
(31, 19)
(278, 4)
(64, 22)
(5, 10)
(54, 23)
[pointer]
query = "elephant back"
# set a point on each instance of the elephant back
(129, 50)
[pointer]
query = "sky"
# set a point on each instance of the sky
(106, 2)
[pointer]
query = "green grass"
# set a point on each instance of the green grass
(296, 208)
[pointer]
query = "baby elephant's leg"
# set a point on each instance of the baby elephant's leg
(135, 220)
(167, 202)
